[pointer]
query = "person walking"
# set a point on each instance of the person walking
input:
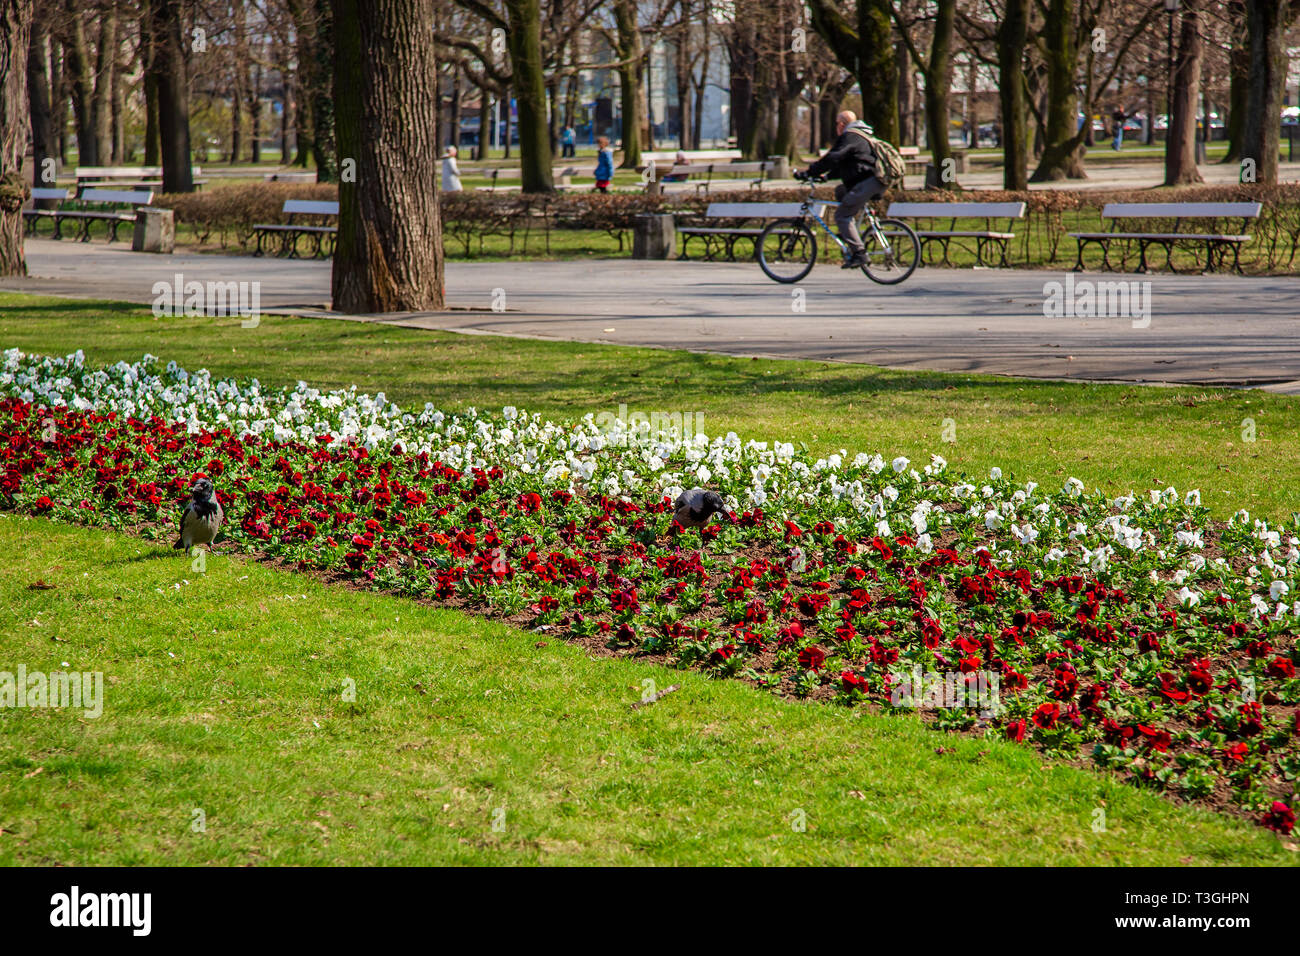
(1118, 118)
(450, 171)
(567, 139)
(604, 164)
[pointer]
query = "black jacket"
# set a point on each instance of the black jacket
(851, 159)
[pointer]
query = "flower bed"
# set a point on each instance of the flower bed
(1132, 631)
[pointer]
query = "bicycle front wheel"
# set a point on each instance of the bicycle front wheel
(787, 250)
(892, 252)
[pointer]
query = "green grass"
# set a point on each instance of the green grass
(224, 692)
(1120, 438)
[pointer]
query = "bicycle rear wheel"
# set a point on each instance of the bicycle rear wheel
(893, 252)
(787, 250)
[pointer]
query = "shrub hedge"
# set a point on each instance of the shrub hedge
(525, 225)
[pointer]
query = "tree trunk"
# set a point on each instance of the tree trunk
(876, 72)
(1238, 80)
(286, 104)
(503, 104)
(1012, 94)
(454, 136)
(1180, 146)
(485, 123)
(173, 95)
(906, 97)
(255, 116)
(236, 115)
(44, 143)
(1266, 23)
(313, 86)
(682, 72)
(59, 98)
(524, 41)
(389, 252)
(1062, 157)
(938, 76)
(152, 150)
(80, 86)
(629, 88)
(866, 49)
(15, 117)
(101, 101)
(120, 70)
(700, 87)
(152, 146)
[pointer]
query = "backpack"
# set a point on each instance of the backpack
(890, 168)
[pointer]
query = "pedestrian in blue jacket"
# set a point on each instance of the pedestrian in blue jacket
(604, 164)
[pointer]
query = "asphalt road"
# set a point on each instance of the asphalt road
(1218, 329)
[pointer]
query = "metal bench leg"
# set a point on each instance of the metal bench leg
(1142, 252)
(58, 227)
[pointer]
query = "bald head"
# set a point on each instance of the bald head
(843, 120)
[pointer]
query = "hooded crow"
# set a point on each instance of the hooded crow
(693, 508)
(201, 519)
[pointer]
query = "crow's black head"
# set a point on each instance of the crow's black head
(713, 503)
(202, 489)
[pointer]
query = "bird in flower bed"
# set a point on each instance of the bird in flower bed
(1134, 631)
(201, 517)
(694, 507)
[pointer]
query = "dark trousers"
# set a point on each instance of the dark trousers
(851, 203)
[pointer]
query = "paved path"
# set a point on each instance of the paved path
(1203, 329)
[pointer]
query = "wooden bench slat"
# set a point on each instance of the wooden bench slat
(310, 207)
(970, 234)
(758, 210)
(958, 210)
(133, 197)
(1181, 210)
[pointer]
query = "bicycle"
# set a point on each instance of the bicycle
(787, 248)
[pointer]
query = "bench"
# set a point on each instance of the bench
(322, 237)
(692, 155)
(716, 239)
(140, 177)
(991, 244)
(758, 170)
(1217, 243)
(560, 176)
(114, 217)
(289, 177)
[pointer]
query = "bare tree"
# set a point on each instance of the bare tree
(171, 75)
(389, 252)
(1180, 147)
(15, 32)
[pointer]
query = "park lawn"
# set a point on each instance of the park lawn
(1119, 437)
(226, 692)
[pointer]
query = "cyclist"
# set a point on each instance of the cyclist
(853, 162)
